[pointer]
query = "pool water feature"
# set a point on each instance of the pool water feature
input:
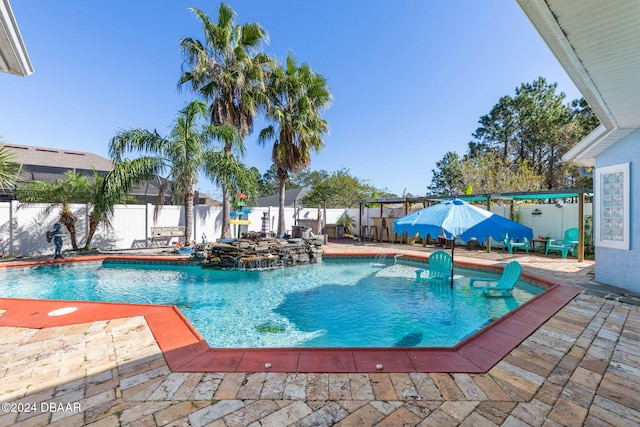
(337, 303)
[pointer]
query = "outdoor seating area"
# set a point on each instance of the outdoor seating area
(512, 245)
(161, 236)
(540, 216)
(568, 244)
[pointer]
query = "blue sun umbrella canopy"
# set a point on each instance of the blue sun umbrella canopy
(457, 218)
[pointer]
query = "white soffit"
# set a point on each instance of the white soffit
(605, 36)
(14, 58)
(584, 153)
(598, 44)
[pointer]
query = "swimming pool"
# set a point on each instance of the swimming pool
(337, 303)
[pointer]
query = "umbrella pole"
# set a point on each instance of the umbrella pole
(453, 246)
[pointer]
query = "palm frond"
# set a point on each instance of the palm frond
(225, 170)
(9, 170)
(136, 140)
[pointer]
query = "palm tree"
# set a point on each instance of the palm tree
(226, 71)
(8, 170)
(61, 193)
(106, 192)
(100, 194)
(226, 171)
(181, 155)
(296, 97)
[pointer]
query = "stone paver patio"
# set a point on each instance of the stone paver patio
(582, 367)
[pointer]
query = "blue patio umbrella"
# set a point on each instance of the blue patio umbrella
(457, 218)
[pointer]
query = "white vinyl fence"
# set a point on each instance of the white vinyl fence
(23, 227)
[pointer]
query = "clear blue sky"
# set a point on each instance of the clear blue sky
(410, 78)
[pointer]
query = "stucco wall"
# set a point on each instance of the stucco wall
(618, 267)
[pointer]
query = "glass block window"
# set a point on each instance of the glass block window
(612, 213)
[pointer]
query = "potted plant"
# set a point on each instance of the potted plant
(347, 222)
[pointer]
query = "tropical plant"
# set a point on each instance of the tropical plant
(588, 234)
(100, 194)
(8, 170)
(61, 193)
(296, 97)
(181, 156)
(226, 171)
(226, 71)
(106, 192)
(347, 222)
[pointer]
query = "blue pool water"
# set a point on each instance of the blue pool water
(336, 303)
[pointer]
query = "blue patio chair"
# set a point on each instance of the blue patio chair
(439, 268)
(504, 285)
(569, 243)
(511, 245)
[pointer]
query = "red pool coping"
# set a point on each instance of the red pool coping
(185, 350)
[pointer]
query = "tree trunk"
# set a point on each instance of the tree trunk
(226, 202)
(68, 219)
(72, 236)
(71, 227)
(93, 226)
(226, 214)
(188, 215)
(281, 224)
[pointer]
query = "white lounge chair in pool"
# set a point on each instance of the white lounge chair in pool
(503, 286)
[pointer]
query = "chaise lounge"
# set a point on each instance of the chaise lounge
(503, 286)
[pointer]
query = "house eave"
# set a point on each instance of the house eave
(585, 152)
(14, 58)
(584, 56)
(553, 35)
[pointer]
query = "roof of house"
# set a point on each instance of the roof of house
(49, 164)
(292, 197)
(14, 58)
(57, 158)
(597, 44)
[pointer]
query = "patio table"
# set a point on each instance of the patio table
(541, 243)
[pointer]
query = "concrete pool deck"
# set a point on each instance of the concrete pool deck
(581, 367)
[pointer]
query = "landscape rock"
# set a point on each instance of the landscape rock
(263, 253)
